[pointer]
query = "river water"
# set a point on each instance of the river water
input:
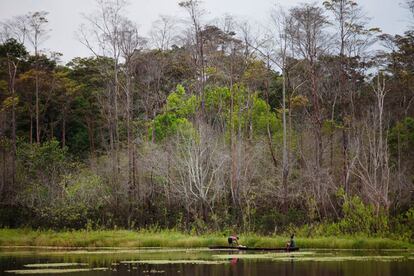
(121, 262)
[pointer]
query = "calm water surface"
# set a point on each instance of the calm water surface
(205, 262)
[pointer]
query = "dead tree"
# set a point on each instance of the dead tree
(372, 158)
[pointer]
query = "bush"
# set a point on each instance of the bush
(360, 218)
(55, 192)
(403, 225)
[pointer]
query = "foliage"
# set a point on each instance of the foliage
(12, 50)
(166, 125)
(179, 109)
(403, 226)
(59, 193)
(401, 137)
(360, 218)
(190, 136)
(41, 163)
(181, 105)
(249, 110)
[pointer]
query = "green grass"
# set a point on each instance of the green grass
(169, 238)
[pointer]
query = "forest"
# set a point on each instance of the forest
(305, 124)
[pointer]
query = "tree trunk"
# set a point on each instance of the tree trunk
(285, 169)
(37, 106)
(12, 74)
(31, 128)
(64, 131)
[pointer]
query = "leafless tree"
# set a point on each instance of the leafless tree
(371, 159)
(410, 6)
(283, 24)
(353, 40)
(199, 165)
(14, 28)
(162, 32)
(130, 43)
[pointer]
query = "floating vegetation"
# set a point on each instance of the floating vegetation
(305, 256)
(342, 258)
(244, 256)
(54, 265)
(173, 262)
(108, 251)
(263, 256)
(154, 271)
(54, 271)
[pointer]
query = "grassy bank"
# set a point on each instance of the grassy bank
(124, 238)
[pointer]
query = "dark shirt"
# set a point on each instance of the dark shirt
(292, 243)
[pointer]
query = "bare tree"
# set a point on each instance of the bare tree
(409, 4)
(130, 43)
(275, 49)
(199, 166)
(283, 24)
(162, 32)
(372, 158)
(353, 39)
(15, 28)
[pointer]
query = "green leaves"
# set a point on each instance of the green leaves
(169, 124)
(48, 157)
(179, 108)
(9, 102)
(263, 118)
(249, 112)
(181, 105)
(13, 50)
(360, 218)
(401, 136)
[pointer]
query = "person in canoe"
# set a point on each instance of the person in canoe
(291, 244)
(233, 240)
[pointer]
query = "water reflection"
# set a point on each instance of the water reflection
(185, 263)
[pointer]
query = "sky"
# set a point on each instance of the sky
(65, 16)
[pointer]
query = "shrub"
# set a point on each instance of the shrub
(360, 218)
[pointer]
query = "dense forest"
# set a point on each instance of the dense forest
(306, 122)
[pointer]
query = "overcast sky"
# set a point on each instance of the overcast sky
(65, 16)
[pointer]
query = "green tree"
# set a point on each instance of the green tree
(12, 53)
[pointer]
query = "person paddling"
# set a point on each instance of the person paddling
(291, 244)
(233, 240)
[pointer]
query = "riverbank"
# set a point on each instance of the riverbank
(127, 239)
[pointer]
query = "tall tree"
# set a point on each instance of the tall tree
(12, 53)
(36, 35)
(195, 13)
(348, 22)
(162, 32)
(102, 37)
(311, 42)
(130, 43)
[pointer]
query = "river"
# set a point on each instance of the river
(152, 261)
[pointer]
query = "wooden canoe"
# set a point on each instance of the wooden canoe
(283, 249)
